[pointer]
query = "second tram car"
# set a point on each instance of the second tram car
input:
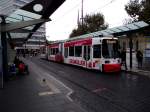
(91, 53)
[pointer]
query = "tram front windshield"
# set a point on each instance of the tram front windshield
(110, 48)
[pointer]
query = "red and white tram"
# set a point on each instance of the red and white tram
(92, 53)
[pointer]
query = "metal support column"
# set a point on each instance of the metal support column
(4, 50)
(131, 47)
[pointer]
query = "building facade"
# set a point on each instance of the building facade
(139, 42)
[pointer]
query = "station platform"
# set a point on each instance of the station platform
(144, 70)
(36, 92)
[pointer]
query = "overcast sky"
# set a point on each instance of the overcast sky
(64, 19)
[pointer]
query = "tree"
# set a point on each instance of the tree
(139, 10)
(127, 21)
(91, 23)
(95, 22)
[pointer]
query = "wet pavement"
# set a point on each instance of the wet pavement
(144, 70)
(37, 92)
(146, 62)
(96, 91)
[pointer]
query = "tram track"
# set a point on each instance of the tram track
(107, 103)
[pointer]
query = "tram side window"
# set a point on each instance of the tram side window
(86, 54)
(66, 52)
(71, 51)
(97, 51)
(51, 51)
(56, 50)
(78, 51)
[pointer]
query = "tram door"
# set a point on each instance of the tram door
(86, 55)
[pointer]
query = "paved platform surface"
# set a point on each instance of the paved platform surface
(36, 93)
(144, 70)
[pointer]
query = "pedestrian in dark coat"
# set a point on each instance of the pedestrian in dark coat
(123, 58)
(16, 61)
(139, 56)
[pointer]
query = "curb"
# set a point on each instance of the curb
(138, 73)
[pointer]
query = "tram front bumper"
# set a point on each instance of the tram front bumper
(112, 67)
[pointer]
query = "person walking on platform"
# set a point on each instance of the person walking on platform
(123, 58)
(139, 57)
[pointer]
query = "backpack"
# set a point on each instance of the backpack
(21, 67)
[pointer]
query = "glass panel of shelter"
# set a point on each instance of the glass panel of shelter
(22, 15)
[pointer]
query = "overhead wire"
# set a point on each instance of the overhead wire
(110, 2)
(68, 11)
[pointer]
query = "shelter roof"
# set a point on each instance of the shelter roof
(117, 31)
(29, 18)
